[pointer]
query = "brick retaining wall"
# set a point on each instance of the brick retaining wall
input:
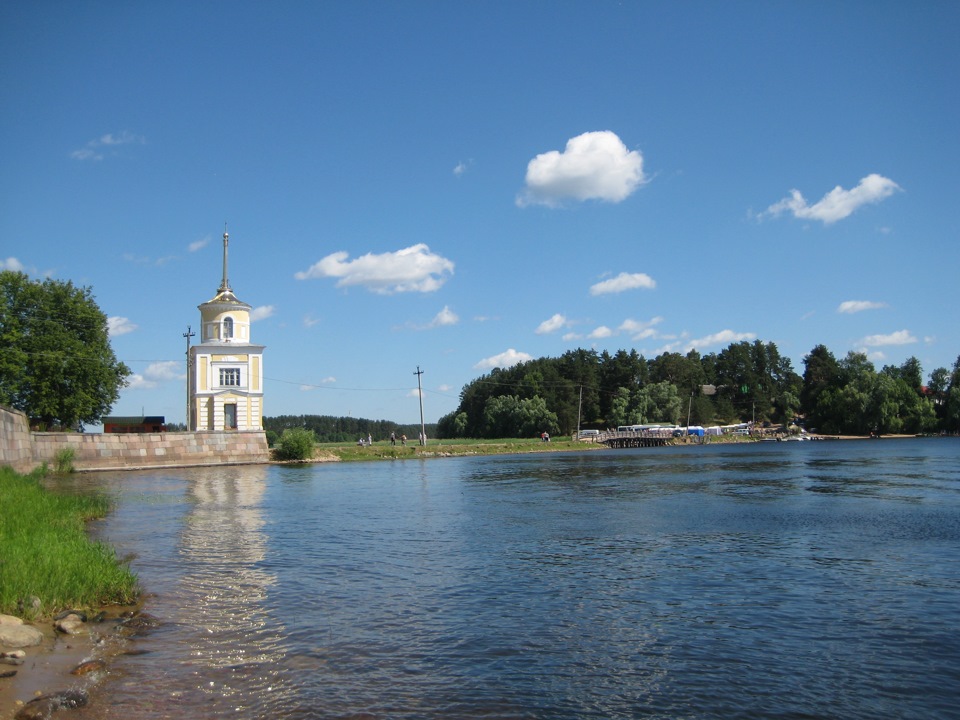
(24, 450)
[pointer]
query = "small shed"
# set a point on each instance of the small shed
(141, 424)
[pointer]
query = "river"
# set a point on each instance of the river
(770, 580)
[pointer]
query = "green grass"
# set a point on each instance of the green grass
(383, 450)
(45, 551)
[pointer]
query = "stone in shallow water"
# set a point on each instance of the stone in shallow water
(89, 666)
(18, 636)
(43, 707)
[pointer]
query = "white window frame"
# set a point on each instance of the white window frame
(228, 374)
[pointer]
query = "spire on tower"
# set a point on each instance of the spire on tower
(225, 283)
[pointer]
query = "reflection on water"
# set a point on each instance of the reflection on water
(217, 646)
(793, 579)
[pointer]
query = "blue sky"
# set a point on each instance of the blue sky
(454, 186)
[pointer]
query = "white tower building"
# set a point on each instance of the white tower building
(225, 372)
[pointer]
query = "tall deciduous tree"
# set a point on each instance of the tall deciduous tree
(57, 365)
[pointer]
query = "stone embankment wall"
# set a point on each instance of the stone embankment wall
(24, 450)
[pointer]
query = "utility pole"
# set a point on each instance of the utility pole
(579, 409)
(188, 334)
(423, 432)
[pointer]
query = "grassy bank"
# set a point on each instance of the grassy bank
(444, 448)
(45, 552)
(383, 450)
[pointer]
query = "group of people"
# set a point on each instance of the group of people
(368, 440)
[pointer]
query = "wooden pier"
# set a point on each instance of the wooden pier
(615, 439)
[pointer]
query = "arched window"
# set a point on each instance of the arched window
(227, 328)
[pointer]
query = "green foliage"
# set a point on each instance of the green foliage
(751, 381)
(45, 552)
(57, 365)
(330, 429)
(508, 416)
(64, 461)
(295, 444)
(659, 402)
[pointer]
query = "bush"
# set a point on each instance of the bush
(64, 461)
(295, 444)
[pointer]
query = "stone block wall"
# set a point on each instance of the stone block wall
(16, 445)
(24, 451)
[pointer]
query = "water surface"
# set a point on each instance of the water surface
(793, 580)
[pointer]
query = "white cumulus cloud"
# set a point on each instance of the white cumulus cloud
(412, 269)
(838, 203)
(118, 326)
(11, 263)
(552, 324)
(157, 373)
(198, 244)
(594, 166)
(623, 281)
(855, 306)
(900, 337)
(640, 329)
(262, 312)
(724, 337)
(445, 317)
(600, 332)
(508, 358)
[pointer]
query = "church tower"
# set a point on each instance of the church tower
(225, 377)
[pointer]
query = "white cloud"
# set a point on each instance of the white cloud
(462, 167)
(135, 381)
(444, 388)
(310, 321)
(724, 337)
(571, 336)
(506, 359)
(639, 329)
(414, 393)
(198, 244)
(147, 260)
(166, 370)
(445, 317)
(838, 203)
(118, 326)
(326, 381)
(157, 373)
(855, 306)
(601, 332)
(552, 324)
(594, 166)
(623, 281)
(900, 337)
(93, 150)
(262, 312)
(11, 263)
(413, 269)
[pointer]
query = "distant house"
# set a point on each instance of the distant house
(151, 424)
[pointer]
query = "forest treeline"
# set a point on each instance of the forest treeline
(327, 428)
(744, 382)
